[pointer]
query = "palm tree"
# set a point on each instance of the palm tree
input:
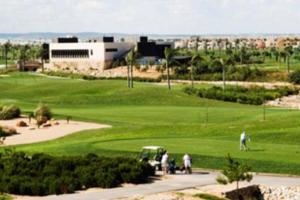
(226, 61)
(282, 55)
(205, 46)
(131, 62)
(7, 46)
(41, 55)
(219, 44)
(195, 59)
(243, 54)
(288, 52)
(169, 54)
(236, 44)
(23, 57)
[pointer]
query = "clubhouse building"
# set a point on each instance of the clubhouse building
(93, 54)
(70, 54)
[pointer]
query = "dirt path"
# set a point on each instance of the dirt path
(33, 134)
(292, 102)
(268, 85)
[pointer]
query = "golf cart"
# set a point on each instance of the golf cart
(152, 155)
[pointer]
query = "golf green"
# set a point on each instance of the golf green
(150, 114)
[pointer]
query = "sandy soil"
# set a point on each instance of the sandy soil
(189, 194)
(122, 72)
(292, 101)
(33, 134)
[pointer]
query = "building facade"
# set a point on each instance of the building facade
(70, 53)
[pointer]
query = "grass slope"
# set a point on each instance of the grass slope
(149, 114)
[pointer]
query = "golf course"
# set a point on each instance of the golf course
(150, 114)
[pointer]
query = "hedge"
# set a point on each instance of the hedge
(42, 174)
(253, 95)
(89, 77)
(294, 77)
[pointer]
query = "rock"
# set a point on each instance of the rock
(46, 125)
(278, 193)
(21, 124)
(9, 130)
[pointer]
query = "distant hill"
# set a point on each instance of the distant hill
(81, 35)
(86, 35)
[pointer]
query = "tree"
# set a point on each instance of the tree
(282, 55)
(205, 46)
(41, 53)
(195, 59)
(243, 54)
(7, 47)
(23, 57)
(169, 54)
(288, 52)
(236, 44)
(219, 44)
(131, 60)
(234, 172)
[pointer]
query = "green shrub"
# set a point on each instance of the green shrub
(42, 174)
(9, 112)
(42, 113)
(89, 77)
(208, 197)
(5, 197)
(294, 77)
(252, 95)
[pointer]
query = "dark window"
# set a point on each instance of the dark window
(78, 53)
(92, 52)
(111, 50)
(108, 39)
(45, 52)
(68, 40)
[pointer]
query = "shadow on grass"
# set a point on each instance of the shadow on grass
(256, 150)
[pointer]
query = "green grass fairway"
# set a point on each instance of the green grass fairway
(149, 114)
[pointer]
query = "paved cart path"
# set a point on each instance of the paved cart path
(170, 183)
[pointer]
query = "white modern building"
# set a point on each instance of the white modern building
(66, 53)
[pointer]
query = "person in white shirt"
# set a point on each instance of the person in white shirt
(243, 139)
(165, 163)
(187, 162)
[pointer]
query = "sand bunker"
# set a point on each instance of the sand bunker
(33, 134)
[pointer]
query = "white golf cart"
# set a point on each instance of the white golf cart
(152, 155)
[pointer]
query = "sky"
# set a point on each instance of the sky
(151, 16)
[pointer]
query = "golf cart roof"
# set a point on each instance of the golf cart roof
(152, 147)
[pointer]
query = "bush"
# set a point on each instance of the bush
(7, 131)
(89, 77)
(253, 95)
(295, 77)
(42, 174)
(42, 114)
(9, 112)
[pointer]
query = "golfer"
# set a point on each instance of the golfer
(243, 142)
(165, 163)
(187, 162)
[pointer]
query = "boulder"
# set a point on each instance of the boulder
(21, 124)
(47, 125)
